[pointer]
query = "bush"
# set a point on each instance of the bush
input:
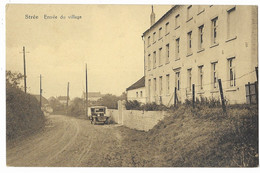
(132, 105)
(77, 107)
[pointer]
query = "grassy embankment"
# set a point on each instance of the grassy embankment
(200, 137)
(23, 114)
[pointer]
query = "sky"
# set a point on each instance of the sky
(107, 38)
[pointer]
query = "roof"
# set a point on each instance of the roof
(164, 16)
(62, 98)
(94, 94)
(139, 84)
(44, 100)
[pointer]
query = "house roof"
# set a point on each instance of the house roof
(164, 16)
(139, 84)
(44, 100)
(62, 98)
(94, 94)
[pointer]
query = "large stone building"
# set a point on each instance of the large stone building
(193, 44)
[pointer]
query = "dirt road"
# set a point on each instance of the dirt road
(68, 142)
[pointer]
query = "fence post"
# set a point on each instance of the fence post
(222, 96)
(193, 96)
(249, 93)
(256, 92)
(175, 96)
(256, 70)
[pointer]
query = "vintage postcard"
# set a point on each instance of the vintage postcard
(110, 85)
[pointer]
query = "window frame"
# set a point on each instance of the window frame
(214, 75)
(154, 59)
(201, 76)
(200, 37)
(167, 84)
(214, 31)
(167, 51)
(230, 34)
(231, 68)
(189, 79)
(189, 43)
(178, 80)
(149, 61)
(160, 86)
(177, 48)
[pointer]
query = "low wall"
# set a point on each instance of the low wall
(113, 114)
(134, 119)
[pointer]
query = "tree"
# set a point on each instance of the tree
(55, 104)
(109, 100)
(76, 108)
(13, 79)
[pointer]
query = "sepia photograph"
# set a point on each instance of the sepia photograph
(131, 85)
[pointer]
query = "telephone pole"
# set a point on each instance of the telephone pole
(40, 91)
(68, 86)
(24, 68)
(86, 90)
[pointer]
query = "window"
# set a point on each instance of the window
(177, 49)
(154, 34)
(160, 86)
(166, 28)
(214, 30)
(214, 78)
(160, 32)
(177, 80)
(167, 84)
(154, 86)
(189, 80)
(167, 53)
(189, 43)
(231, 72)
(136, 94)
(160, 56)
(149, 41)
(154, 59)
(189, 17)
(201, 37)
(141, 93)
(177, 18)
(231, 21)
(200, 77)
(149, 62)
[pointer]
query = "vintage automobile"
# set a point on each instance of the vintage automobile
(98, 114)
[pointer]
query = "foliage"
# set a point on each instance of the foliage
(23, 113)
(13, 79)
(76, 108)
(56, 106)
(109, 100)
(136, 105)
(132, 105)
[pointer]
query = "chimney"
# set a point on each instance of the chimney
(152, 17)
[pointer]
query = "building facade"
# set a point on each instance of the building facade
(199, 44)
(137, 91)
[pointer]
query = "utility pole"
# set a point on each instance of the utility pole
(40, 90)
(68, 96)
(24, 68)
(86, 90)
